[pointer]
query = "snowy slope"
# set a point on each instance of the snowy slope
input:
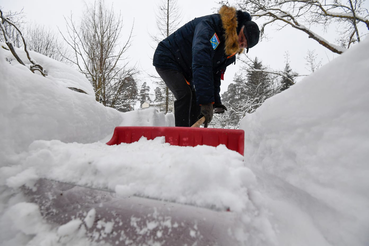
(303, 179)
(36, 107)
(315, 138)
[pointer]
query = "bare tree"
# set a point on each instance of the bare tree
(167, 21)
(96, 52)
(4, 21)
(13, 35)
(350, 17)
(311, 61)
(45, 42)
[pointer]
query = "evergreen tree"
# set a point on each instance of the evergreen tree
(234, 99)
(159, 99)
(158, 95)
(247, 92)
(258, 86)
(144, 93)
(128, 96)
(288, 78)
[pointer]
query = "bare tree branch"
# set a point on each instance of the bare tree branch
(167, 21)
(45, 42)
(34, 67)
(301, 14)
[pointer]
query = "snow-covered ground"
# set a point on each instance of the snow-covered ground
(304, 178)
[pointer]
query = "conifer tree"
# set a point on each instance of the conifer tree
(144, 93)
(258, 86)
(235, 100)
(128, 96)
(159, 99)
(247, 92)
(288, 78)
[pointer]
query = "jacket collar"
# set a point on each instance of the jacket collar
(228, 15)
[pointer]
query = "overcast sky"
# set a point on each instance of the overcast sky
(270, 51)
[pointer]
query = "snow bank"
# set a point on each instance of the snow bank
(34, 107)
(161, 173)
(315, 137)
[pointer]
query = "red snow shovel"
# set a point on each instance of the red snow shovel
(182, 136)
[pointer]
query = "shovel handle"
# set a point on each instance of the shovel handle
(199, 122)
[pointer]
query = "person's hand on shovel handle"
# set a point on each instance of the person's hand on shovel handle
(207, 111)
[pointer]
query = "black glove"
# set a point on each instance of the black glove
(219, 108)
(207, 111)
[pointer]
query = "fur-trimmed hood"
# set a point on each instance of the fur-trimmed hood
(228, 15)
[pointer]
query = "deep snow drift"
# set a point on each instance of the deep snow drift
(302, 181)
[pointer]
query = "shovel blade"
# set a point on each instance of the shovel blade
(233, 139)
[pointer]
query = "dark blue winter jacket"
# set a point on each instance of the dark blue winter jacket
(201, 50)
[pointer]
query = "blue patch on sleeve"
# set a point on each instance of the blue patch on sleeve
(214, 41)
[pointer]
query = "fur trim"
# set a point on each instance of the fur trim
(228, 15)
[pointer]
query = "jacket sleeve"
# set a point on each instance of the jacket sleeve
(202, 63)
(217, 82)
(218, 77)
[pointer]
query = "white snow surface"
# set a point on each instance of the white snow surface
(303, 180)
